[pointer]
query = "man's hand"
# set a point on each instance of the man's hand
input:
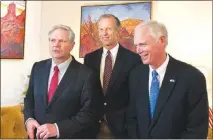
(45, 131)
(31, 125)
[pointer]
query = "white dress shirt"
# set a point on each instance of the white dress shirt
(114, 52)
(161, 72)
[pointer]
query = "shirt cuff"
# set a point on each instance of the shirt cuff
(58, 135)
(28, 120)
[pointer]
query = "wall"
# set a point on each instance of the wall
(189, 25)
(14, 71)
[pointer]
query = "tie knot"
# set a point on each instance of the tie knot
(154, 73)
(56, 69)
(108, 52)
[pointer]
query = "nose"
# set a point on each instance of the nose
(104, 32)
(139, 49)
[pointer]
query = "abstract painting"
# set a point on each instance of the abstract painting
(130, 15)
(13, 14)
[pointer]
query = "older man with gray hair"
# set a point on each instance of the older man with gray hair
(64, 98)
(168, 98)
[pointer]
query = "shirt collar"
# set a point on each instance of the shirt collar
(113, 51)
(162, 69)
(63, 66)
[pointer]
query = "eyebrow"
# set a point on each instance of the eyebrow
(140, 44)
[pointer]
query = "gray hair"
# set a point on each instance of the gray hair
(64, 27)
(118, 23)
(156, 29)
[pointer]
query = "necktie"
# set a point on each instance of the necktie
(154, 91)
(53, 84)
(107, 71)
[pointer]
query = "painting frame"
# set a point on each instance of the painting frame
(89, 40)
(14, 31)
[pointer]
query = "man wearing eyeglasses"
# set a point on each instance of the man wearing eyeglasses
(64, 97)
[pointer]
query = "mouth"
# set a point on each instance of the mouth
(56, 51)
(105, 38)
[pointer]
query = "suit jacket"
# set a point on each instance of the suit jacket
(76, 104)
(182, 106)
(117, 96)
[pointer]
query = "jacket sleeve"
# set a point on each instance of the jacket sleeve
(197, 108)
(29, 99)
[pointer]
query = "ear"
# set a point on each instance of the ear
(73, 43)
(162, 39)
(118, 32)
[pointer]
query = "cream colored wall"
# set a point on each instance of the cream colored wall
(189, 25)
(13, 71)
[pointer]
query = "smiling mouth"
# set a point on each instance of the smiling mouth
(105, 38)
(56, 51)
(145, 56)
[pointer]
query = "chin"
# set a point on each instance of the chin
(56, 56)
(106, 44)
(145, 62)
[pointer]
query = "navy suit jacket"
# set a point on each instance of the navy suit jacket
(117, 96)
(182, 106)
(76, 105)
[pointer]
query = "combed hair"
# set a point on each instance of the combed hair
(156, 29)
(118, 23)
(64, 27)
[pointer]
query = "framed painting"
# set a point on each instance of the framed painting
(13, 15)
(129, 14)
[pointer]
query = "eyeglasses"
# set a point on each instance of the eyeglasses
(61, 41)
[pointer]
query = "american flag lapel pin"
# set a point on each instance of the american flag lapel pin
(172, 80)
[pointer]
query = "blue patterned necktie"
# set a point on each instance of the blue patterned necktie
(154, 91)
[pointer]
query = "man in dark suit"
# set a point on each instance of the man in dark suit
(112, 64)
(64, 98)
(168, 98)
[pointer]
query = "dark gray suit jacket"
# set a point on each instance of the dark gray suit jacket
(117, 96)
(76, 105)
(182, 106)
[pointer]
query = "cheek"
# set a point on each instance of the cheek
(100, 34)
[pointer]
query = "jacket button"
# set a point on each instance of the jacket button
(105, 104)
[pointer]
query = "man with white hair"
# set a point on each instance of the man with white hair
(168, 98)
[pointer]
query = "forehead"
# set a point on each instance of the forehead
(107, 22)
(60, 34)
(142, 35)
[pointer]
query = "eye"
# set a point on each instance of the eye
(141, 45)
(52, 40)
(109, 29)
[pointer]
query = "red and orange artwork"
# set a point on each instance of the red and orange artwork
(130, 16)
(13, 15)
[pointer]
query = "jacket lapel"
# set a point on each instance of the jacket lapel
(68, 79)
(120, 60)
(45, 79)
(167, 86)
(97, 61)
(143, 99)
